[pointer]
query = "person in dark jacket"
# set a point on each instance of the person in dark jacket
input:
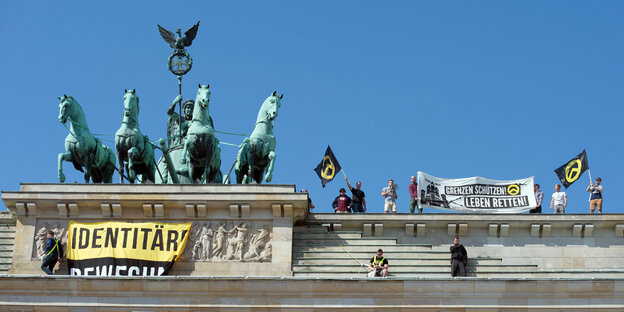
(459, 258)
(53, 253)
(342, 203)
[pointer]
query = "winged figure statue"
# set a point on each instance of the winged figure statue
(179, 42)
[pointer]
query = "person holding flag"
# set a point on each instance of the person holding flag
(595, 199)
(358, 202)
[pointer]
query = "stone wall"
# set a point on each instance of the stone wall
(296, 294)
(237, 229)
(562, 244)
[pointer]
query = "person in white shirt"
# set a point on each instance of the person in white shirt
(559, 200)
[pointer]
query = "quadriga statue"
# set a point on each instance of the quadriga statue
(201, 150)
(133, 148)
(256, 155)
(87, 153)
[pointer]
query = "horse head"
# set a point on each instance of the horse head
(200, 111)
(131, 105)
(271, 105)
(64, 108)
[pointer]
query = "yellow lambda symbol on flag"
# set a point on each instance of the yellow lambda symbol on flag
(513, 189)
(573, 170)
(328, 166)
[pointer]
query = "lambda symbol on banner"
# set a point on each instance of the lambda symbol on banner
(328, 165)
(513, 189)
(573, 170)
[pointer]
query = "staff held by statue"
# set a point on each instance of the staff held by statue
(180, 61)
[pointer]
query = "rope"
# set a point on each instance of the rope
(222, 132)
(228, 144)
(343, 247)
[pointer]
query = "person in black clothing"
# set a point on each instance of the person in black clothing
(53, 253)
(379, 264)
(358, 202)
(459, 258)
(342, 202)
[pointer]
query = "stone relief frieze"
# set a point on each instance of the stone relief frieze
(208, 241)
(221, 241)
(60, 233)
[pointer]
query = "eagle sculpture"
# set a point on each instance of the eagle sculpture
(179, 42)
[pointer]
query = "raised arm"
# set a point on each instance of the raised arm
(171, 109)
(348, 184)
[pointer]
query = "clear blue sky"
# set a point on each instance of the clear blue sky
(497, 89)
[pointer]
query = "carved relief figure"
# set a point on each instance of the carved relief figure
(219, 241)
(228, 242)
(205, 239)
(40, 240)
(257, 243)
(238, 243)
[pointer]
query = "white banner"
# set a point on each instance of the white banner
(476, 194)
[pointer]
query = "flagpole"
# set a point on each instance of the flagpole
(590, 179)
(343, 172)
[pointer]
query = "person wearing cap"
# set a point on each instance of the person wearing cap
(342, 202)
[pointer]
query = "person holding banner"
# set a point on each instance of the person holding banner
(539, 197)
(390, 195)
(559, 200)
(53, 253)
(595, 199)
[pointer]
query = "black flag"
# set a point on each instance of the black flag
(328, 167)
(572, 170)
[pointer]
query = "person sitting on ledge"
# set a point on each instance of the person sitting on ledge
(342, 202)
(459, 258)
(378, 265)
(53, 253)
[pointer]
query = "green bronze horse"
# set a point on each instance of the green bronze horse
(201, 150)
(81, 148)
(133, 148)
(257, 153)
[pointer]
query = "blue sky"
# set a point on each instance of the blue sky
(497, 89)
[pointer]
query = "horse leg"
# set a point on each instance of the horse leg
(269, 173)
(150, 162)
(109, 168)
(121, 166)
(87, 166)
(132, 154)
(63, 157)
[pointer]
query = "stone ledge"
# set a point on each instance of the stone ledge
(174, 293)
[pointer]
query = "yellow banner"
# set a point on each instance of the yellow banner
(151, 241)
